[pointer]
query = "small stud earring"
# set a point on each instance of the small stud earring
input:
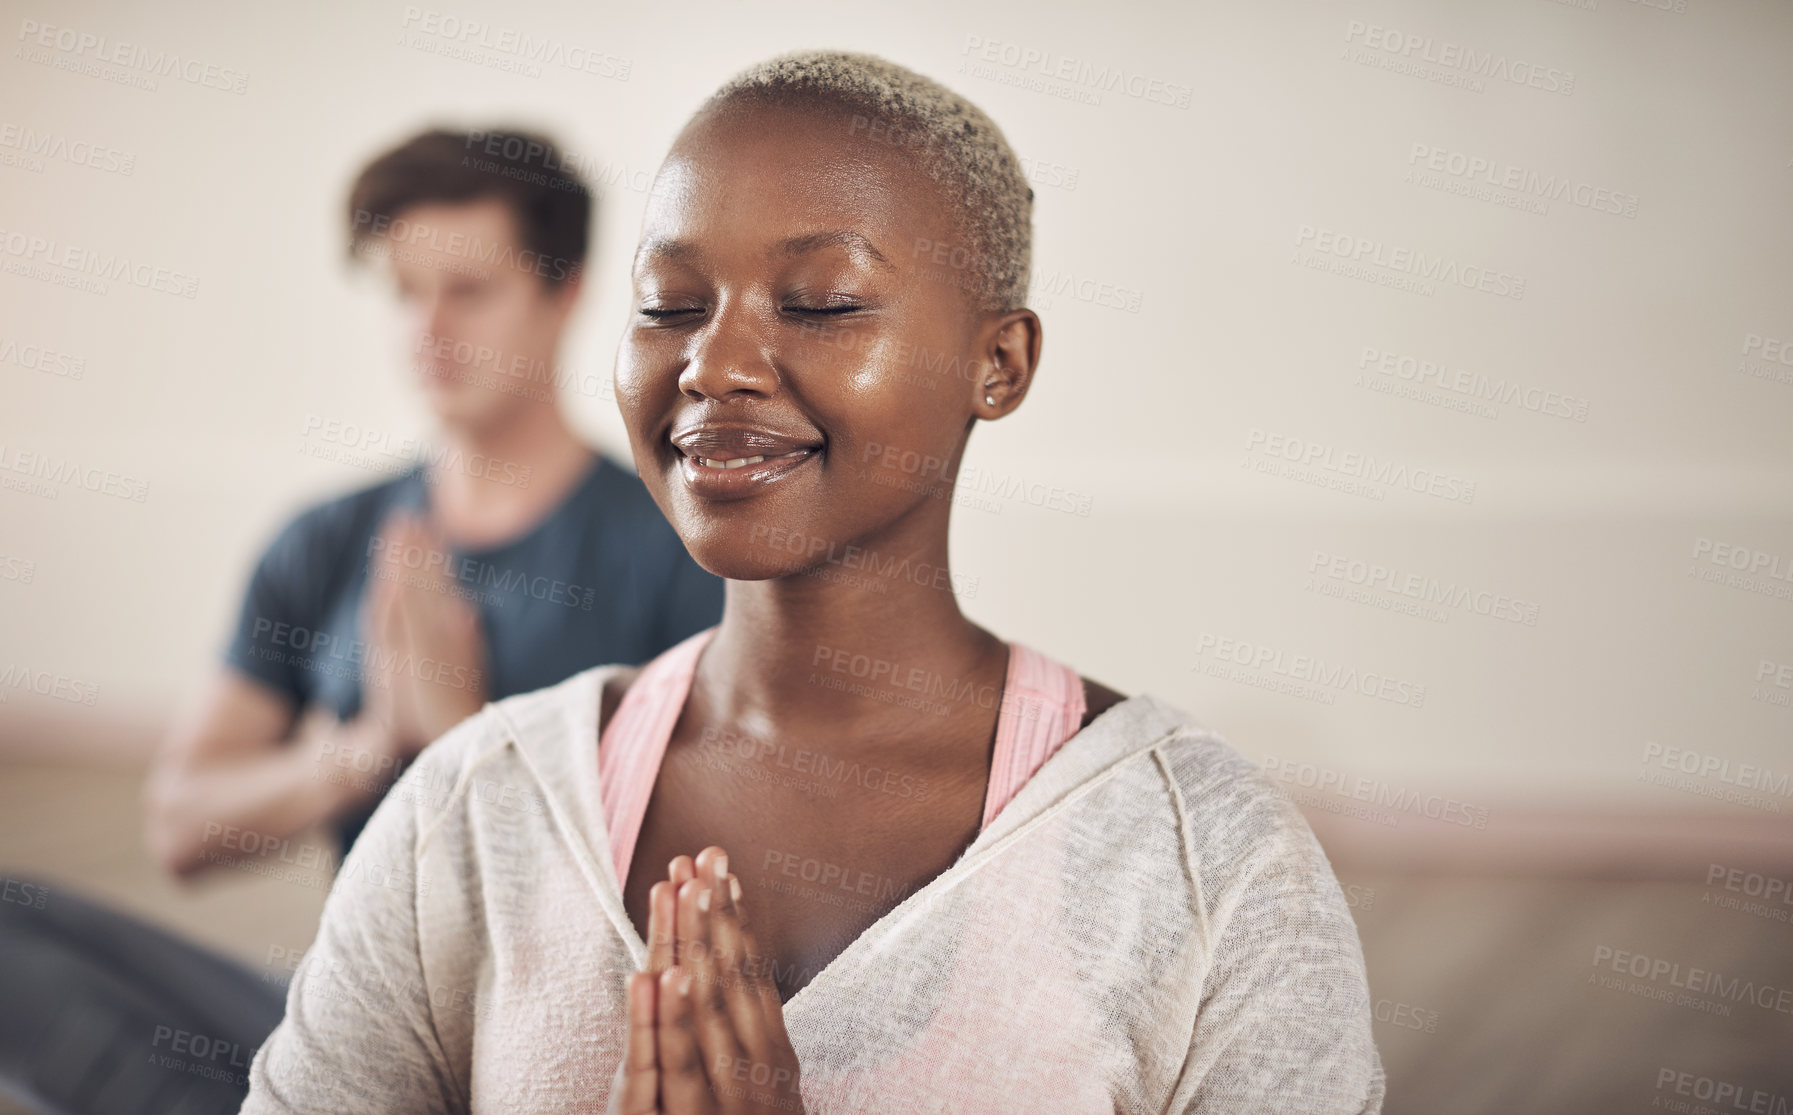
(989, 400)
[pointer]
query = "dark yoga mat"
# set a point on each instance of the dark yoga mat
(103, 1013)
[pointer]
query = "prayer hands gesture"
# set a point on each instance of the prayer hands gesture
(706, 1029)
(424, 667)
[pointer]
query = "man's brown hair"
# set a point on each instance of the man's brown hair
(551, 204)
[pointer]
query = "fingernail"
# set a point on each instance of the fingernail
(734, 887)
(703, 899)
(722, 865)
(685, 985)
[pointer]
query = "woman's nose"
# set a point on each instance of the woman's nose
(730, 353)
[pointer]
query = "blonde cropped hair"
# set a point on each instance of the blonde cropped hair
(960, 149)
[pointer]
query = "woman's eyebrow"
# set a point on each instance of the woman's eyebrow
(854, 242)
(664, 249)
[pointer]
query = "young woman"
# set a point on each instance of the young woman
(934, 870)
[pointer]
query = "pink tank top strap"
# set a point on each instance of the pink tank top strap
(1042, 707)
(634, 743)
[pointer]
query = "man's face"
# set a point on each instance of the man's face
(481, 329)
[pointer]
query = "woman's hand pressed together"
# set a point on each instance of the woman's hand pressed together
(706, 1031)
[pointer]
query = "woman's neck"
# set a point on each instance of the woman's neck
(866, 653)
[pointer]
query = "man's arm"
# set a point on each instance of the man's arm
(237, 762)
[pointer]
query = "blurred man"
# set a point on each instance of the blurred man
(512, 556)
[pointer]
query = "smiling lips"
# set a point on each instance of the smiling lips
(737, 462)
(728, 462)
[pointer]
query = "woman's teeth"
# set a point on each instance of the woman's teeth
(741, 462)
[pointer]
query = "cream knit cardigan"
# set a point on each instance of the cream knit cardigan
(1146, 927)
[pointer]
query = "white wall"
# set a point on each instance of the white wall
(1198, 209)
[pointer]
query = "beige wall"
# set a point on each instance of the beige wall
(1297, 117)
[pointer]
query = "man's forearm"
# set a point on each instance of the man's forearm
(202, 811)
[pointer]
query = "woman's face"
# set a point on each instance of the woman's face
(788, 305)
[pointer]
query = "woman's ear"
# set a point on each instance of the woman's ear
(1010, 345)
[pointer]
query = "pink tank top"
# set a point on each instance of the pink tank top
(1042, 707)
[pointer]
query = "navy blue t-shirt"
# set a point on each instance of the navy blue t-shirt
(602, 579)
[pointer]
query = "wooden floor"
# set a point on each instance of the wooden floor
(1486, 987)
(82, 826)
(1505, 966)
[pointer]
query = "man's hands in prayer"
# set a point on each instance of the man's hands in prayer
(424, 670)
(706, 1031)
